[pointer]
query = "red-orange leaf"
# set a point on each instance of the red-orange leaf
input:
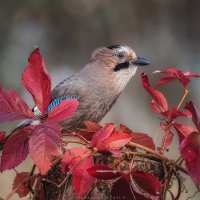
(78, 160)
(20, 183)
(2, 136)
(190, 150)
(44, 144)
(157, 96)
(168, 135)
(174, 113)
(64, 110)
(139, 138)
(16, 148)
(183, 130)
(195, 114)
(12, 107)
(90, 129)
(107, 138)
(174, 74)
(37, 81)
(147, 182)
(82, 180)
(91, 126)
(121, 189)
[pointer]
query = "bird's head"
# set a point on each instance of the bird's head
(115, 65)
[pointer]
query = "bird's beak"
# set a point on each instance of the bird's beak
(140, 61)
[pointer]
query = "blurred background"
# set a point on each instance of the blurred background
(166, 32)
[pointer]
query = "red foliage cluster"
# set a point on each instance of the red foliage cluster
(189, 137)
(44, 141)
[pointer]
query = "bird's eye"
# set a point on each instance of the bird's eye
(121, 55)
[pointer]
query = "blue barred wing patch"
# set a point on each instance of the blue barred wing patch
(53, 104)
(57, 101)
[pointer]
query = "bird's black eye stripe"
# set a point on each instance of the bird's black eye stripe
(114, 46)
(121, 66)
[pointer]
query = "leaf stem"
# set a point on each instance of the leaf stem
(157, 154)
(74, 141)
(186, 91)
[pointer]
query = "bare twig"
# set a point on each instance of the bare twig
(74, 141)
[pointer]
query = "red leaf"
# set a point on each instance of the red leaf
(12, 107)
(176, 74)
(167, 140)
(195, 114)
(183, 130)
(20, 178)
(151, 184)
(82, 180)
(107, 138)
(168, 135)
(91, 128)
(16, 148)
(191, 75)
(44, 144)
(64, 110)
(139, 138)
(174, 113)
(99, 137)
(155, 107)
(190, 150)
(37, 81)
(2, 136)
(79, 160)
(164, 81)
(103, 172)
(69, 156)
(121, 189)
(157, 96)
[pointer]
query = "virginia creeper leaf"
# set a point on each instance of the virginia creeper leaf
(139, 138)
(20, 178)
(183, 130)
(82, 180)
(67, 161)
(64, 110)
(78, 160)
(2, 136)
(107, 138)
(121, 189)
(190, 150)
(174, 113)
(184, 78)
(44, 144)
(37, 81)
(16, 148)
(168, 135)
(158, 97)
(195, 114)
(90, 129)
(151, 185)
(12, 107)
(164, 81)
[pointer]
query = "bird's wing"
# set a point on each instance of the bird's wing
(67, 89)
(36, 111)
